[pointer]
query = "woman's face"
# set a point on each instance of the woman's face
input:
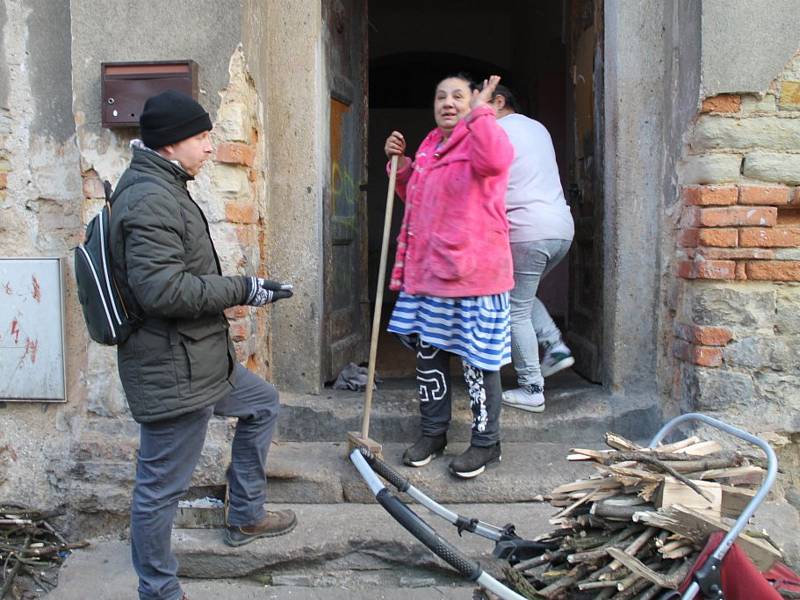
(451, 103)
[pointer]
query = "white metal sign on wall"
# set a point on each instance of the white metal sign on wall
(32, 330)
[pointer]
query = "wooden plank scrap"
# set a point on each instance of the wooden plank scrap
(697, 526)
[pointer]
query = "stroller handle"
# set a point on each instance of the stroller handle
(755, 502)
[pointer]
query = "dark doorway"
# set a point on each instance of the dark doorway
(412, 46)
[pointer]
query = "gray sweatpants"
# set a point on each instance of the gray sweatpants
(531, 324)
(168, 453)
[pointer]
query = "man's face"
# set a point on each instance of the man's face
(191, 152)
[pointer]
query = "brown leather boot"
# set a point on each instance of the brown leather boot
(273, 524)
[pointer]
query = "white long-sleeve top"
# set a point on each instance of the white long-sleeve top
(535, 203)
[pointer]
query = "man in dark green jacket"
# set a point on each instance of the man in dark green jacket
(179, 367)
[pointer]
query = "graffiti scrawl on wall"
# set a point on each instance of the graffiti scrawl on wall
(31, 330)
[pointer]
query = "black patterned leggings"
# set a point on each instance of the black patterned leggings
(485, 395)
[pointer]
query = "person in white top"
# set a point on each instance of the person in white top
(541, 232)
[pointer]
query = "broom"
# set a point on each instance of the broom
(362, 439)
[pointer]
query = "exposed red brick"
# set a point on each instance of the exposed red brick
(703, 334)
(796, 196)
(774, 270)
(236, 154)
(93, 188)
(688, 238)
(764, 216)
(3, 180)
(707, 269)
(741, 271)
(236, 312)
(718, 238)
(776, 237)
(735, 253)
(241, 211)
(710, 195)
(726, 103)
(239, 331)
(705, 356)
(771, 195)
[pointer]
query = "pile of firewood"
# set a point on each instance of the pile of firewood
(636, 527)
(30, 550)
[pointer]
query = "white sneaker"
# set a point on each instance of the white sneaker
(557, 357)
(526, 397)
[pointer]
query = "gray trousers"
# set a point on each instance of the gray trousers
(531, 324)
(435, 405)
(168, 453)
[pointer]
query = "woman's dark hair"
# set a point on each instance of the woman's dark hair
(511, 101)
(463, 77)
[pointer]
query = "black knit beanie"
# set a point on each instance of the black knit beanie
(171, 117)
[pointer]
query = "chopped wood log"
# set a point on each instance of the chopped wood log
(611, 511)
(596, 585)
(680, 444)
(554, 589)
(702, 448)
(586, 484)
(634, 590)
(578, 454)
(674, 492)
(747, 473)
(638, 567)
(634, 547)
(649, 490)
(520, 584)
(667, 468)
(542, 559)
(640, 474)
(698, 526)
(735, 500)
(679, 552)
(620, 443)
(568, 510)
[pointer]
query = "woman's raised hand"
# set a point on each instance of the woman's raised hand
(395, 144)
(483, 96)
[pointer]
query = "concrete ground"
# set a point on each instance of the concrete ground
(332, 555)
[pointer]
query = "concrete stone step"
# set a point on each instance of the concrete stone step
(575, 412)
(321, 472)
(335, 541)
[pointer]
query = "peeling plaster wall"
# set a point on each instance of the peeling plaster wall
(207, 31)
(39, 216)
(746, 43)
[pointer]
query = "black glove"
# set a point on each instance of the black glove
(263, 291)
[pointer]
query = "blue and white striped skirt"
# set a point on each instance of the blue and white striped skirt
(477, 328)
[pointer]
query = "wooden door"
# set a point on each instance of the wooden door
(585, 185)
(346, 304)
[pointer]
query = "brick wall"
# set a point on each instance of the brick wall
(735, 335)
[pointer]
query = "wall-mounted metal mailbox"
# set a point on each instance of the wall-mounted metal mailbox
(126, 86)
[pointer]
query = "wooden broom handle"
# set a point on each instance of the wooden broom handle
(376, 319)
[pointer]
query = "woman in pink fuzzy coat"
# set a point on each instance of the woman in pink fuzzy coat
(453, 268)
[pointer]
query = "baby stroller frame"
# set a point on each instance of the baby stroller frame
(509, 546)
